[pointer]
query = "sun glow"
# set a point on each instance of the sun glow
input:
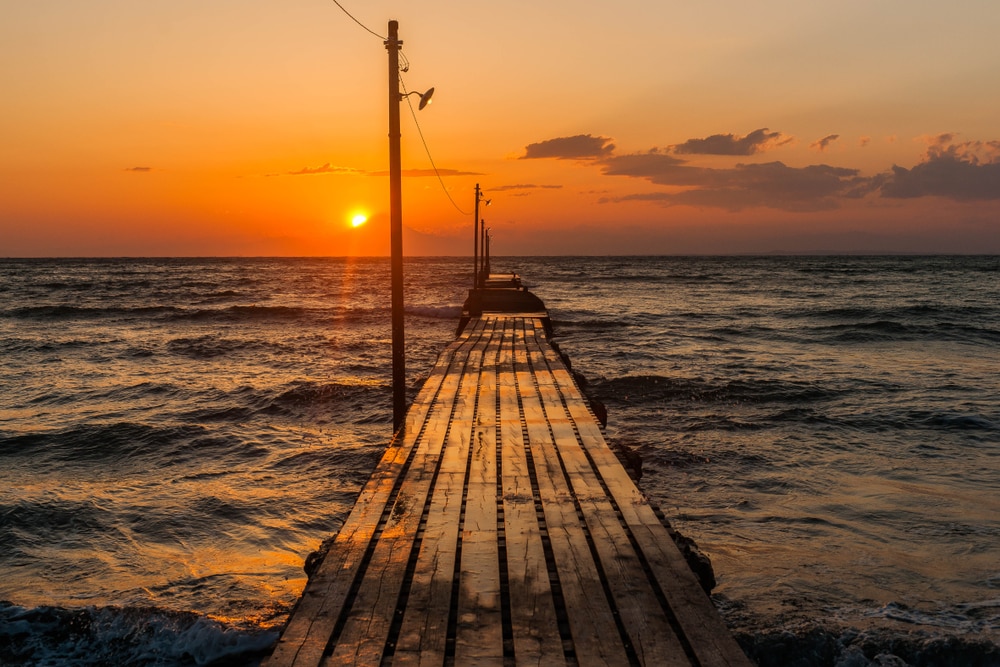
(358, 219)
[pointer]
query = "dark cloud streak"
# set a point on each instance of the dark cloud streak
(524, 186)
(772, 184)
(821, 144)
(945, 176)
(730, 144)
(578, 147)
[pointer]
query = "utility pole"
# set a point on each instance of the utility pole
(475, 241)
(486, 255)
(482, 253)
(392, 45)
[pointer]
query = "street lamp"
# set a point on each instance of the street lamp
(392, 45)
(475, 236)
(425, 98)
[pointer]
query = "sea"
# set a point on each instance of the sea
(176, 435)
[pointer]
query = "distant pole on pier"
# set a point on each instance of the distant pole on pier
(486, 255)
(392, 45)
(475, 241)
(477, 256)
(482, 252)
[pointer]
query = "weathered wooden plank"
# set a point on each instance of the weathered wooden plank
(701, 624)
(645, 621)
(365, 631)
(422, 637)
(590, 617)
(533, 616)
(305, 638)
(479, 639)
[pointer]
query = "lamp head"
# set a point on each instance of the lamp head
(425, 98)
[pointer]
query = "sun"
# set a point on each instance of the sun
(358, 219)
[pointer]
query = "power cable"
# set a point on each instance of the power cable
(357, 21)
(405, 67)
(428, 150)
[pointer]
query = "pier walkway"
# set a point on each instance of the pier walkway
(500, 529)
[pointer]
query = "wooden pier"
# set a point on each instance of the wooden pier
(500, 529)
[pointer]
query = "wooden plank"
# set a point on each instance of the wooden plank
(308, 631)
(591, 621)
(707, 634)
(422, 637)
(366, 629)
(479, 639)
(533, 616)
(645, 621)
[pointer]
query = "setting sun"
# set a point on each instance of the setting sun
(359, 219)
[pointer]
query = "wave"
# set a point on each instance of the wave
(212, 346)
(874, 648)
(63, 312)
(655, 388)
(435, 312)
(125, 637)
(236, 313)
(244, 313)
(87, 443)
(596, 325)
(302, 399)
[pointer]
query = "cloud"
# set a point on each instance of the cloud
(421, 173)
(139, 170)
(653, 165)
(325, 169)
(864, 141)
(730, 144)
(976, 152)
(821, 144)
(771, 185)
(966, 171)
(579, 147)
(509, 188)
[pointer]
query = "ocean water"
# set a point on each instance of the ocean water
(177, 434)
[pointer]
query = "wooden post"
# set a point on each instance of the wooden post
(475, 242)
(487, 268)
(392, 45)
(482, 253)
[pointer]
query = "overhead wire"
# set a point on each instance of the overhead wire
(428, 150)
(357, 21)
(406, 62)
(405, 67)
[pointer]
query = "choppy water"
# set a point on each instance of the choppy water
(176, 435)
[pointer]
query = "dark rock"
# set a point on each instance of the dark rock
(315, 559)
(699, 563)
(601, 412)
(630, 459)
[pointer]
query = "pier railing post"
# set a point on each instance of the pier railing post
(392, 45)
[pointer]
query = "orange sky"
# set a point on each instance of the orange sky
(241, 127)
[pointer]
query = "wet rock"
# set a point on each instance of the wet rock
(699, 563)
(315, 559)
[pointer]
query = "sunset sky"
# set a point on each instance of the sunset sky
(243, 127)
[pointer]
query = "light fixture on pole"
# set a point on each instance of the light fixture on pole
(392, 45)
(425, 98)
(475, 236)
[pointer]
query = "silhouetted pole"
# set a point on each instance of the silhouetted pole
(482, 252)
(487, 254)
(392, 45)
(475, 242)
